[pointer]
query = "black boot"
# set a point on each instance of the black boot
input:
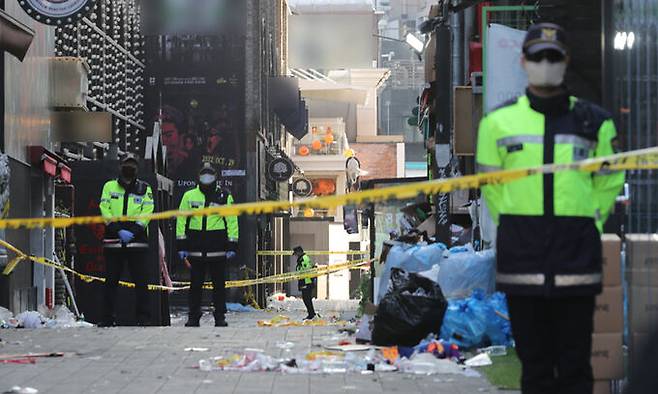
(220, 321)
(193, 321)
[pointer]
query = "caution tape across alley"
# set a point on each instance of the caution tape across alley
(279, 278)
(313, 252)
(645, 159)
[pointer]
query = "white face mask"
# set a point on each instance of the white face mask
(207, 179)
(545, 73)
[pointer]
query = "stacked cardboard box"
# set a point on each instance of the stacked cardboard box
(607, 355)
(642, 277)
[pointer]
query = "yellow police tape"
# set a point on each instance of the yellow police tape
(279, 278)
(312, 252)
(645, 159)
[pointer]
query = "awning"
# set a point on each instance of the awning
(328, 91)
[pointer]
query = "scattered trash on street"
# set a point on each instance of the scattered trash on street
(22, 390)
(237, 307)
(481, 360)
(58, 317)
(285, 321)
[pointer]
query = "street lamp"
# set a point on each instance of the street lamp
(411, 40)
(415, 43)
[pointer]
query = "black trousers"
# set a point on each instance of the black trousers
(217, 268)
(136, 261)
(554, 343)
(307, 296)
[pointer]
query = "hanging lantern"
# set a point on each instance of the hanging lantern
(304, 151)
(316, 145)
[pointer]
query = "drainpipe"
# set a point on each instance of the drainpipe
(457, 27)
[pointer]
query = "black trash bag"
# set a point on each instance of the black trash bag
(412, 308)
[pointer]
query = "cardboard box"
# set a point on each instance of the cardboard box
(607, 356)
(643, 308)
(642, 259)
(609, 311)
(602, 387)
(611, 260)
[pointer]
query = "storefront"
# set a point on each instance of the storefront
(632, 94)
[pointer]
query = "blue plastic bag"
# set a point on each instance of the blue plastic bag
(411, 258)
(466, 270)
(477, 321)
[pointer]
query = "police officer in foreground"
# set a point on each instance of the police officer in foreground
(549, 226)
(306, 285)
(126, 243)
(207, 242)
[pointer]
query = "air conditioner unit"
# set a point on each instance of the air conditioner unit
(69, 84)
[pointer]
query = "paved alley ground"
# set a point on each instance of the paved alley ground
(153, 360)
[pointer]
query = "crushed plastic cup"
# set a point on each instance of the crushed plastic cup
(205, 365)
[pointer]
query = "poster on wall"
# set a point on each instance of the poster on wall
(505, 77)
(196, 90)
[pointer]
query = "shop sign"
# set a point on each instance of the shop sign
(280, 169)
(57, 12)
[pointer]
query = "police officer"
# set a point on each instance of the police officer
(549, 225)
(126, 243)
(306, 285)
(208, 241)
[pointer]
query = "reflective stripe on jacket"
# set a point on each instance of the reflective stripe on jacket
(117, 201)
(549, 224)
(205, 233)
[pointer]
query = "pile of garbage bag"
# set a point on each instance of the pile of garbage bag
(479, 320)
(411, 258)
(458, 271)
(58, 317)
(410, 310)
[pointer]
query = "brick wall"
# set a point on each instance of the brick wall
(380, 160)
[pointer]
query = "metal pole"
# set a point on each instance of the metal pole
(68, 286)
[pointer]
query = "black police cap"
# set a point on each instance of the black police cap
(545, 36)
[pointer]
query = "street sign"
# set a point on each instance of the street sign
(302, 187)
(57, 12)
(280, 169)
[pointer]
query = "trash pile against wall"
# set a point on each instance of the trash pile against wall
(59, 317)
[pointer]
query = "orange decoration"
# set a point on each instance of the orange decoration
(316, 145)
(304, 151)
(328, 139)
(324, 187)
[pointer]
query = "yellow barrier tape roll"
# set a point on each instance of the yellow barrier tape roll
(279, 278)
(645, 159)
(312, 252)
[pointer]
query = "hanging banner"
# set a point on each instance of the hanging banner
(506, 79)
(57, 12)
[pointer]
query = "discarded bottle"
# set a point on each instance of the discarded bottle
(494, 350)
